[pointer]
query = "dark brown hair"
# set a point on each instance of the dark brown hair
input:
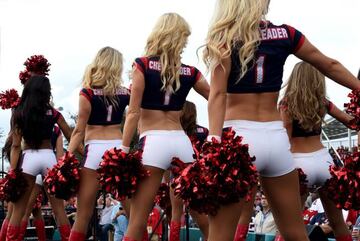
(188, 118)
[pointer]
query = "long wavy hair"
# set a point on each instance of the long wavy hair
(167, 41)
(30, 115)
(188, 118)
(305, 96)
(235, 23)
(105, 72)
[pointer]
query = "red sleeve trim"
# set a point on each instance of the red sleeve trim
(139, 67)
(301, 42)
(292, 32)
(87, 94)
(330, 106)
(56, 115)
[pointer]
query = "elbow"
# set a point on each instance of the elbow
(330, 66)
(133, 115)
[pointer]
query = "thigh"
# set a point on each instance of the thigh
(283, 196)
(89, 186)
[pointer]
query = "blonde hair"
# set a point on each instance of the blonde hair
(105, 73)
(235, 22)
(305, 96)
(167, 40)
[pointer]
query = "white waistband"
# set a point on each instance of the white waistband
(116, 141)
(163, 132)
(246, 124)
(314, 153)
(38, 151)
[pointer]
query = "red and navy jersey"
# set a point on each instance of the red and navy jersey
(199, 137)
(156, 99)
(266, 71)
(55, 134)
(52, 117)
(103, 114)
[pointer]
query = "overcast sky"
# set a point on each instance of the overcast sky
(69, 33)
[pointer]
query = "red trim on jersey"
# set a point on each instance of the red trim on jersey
(56, 115)
(88, 95)
(300, 43)
(330, 106)
(292, 32)
(198, 76)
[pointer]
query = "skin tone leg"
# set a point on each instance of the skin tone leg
(283, 196)
(247, 209)
(34, 193)
(89, 186)
(19, 207)
(142, 203)
(222, 227)
(334, 215)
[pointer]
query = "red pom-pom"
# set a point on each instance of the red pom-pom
(9, 99)
(353, 108)
(13, 186)
(223, 174)
(344, 185)
(303, 182)
(120, 173)
(36, 64)
(24, 76)
(64, 178)
(39, 200)
(162, 198)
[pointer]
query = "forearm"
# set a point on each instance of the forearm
(131, 123)
(14, 156)
(216, 109)
(337, 72)
(76, 141)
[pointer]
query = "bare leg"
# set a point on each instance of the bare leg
(222, 226)
(284, 198)
(142, 203)
(19, 207)
(334, 215)
(202, 221)
(89, 186)
(29, 208)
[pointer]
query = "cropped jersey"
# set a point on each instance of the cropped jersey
(54, 136)
(266, 71)
(156, 99)
(102, 114)
(52, 116)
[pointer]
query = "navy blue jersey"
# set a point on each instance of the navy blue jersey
(201, 133)
(156, 99)
(55, 135)
(52, 116)
(266, 71)
(103, 114)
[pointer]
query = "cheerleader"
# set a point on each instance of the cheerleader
(102, 102)
(33, 121)
(160, 86)
(303, 110)
(246, 55)
(197, 135)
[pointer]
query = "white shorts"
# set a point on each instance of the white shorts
(94, 151)
(39, 180)
(160, 146)
(37, 162)
(268, 142)
(315, 165)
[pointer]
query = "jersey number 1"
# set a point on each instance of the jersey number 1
(109, 113)
(259, 73)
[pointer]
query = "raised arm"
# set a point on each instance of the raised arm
(133, 112)
(331, 68)
(59, 146)
(217, 97)
(340, 115)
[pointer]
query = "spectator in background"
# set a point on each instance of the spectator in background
(154, 225)
(105, 219)
(264, 220)
(120, 221)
